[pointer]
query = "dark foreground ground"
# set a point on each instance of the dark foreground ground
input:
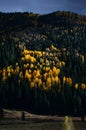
(37, 125)
(12, 121)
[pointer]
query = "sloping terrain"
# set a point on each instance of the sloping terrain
(36, 122)
(43, 62)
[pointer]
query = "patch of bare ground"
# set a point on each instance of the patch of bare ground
(14, 114)
(13, 121)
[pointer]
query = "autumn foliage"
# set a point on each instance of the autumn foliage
(43, 63)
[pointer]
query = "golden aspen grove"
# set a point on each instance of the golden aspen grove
(43, 67)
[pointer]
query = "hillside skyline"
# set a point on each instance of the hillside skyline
(43, 7)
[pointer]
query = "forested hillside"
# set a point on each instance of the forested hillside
(43, 62)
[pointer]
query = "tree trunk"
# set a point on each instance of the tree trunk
(23, 116)
(82, 118)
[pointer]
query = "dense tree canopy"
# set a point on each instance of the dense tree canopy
(43, 62)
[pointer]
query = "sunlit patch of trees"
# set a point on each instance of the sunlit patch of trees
(38, 82)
